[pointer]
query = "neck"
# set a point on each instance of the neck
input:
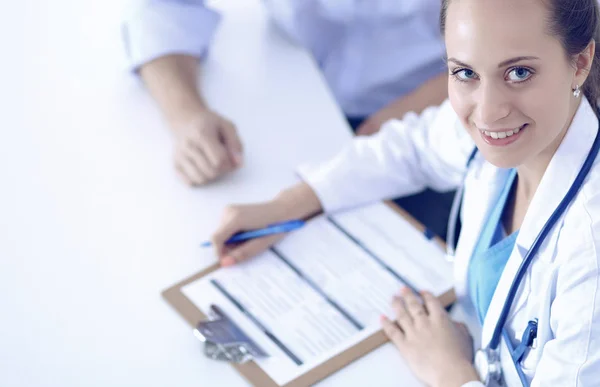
(530, 175)
(531, 172)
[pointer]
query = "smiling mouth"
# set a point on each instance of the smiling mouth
(496, 135)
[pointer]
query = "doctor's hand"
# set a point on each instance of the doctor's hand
(206, 147)
(297, 202)
(438, 351)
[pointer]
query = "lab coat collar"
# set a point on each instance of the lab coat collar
(561, 172)
(558, 178)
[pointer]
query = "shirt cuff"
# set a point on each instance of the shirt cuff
(160, 29)
(473, 384)
(319, 178)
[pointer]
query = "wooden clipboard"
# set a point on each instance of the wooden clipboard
(251, 371)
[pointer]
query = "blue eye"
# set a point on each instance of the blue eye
(465, 74)
(519, 74)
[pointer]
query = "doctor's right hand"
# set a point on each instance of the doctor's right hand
(206, 147)
(297, 202)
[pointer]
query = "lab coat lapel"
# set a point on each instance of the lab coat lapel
(558, 178)
(483, 186)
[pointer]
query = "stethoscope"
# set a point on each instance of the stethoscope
(487, 360)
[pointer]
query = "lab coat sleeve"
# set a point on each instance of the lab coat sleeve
(572, 356)
(155, 28)
(405, 157)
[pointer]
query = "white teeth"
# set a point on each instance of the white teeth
(501, 135)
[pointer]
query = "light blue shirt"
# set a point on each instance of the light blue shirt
(370, 51)
(491, 253)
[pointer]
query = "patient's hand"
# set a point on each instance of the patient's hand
(206, 147)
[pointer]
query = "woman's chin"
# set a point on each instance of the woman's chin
(500, 160)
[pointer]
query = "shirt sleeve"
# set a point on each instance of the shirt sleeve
(405, 157)
(155, 28)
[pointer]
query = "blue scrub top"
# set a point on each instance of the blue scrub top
(491, 253)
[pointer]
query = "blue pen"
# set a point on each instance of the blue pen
(276, 228)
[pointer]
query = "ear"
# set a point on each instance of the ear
(583, 63)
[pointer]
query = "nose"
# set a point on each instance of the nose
(493, 105)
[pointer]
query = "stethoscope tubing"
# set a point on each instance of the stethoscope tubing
(552, 221)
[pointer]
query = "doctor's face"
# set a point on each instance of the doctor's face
(510, 81)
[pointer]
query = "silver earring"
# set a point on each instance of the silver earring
(577, 91)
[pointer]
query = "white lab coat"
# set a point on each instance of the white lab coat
(561, 288)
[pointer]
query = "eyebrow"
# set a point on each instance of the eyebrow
(503, 64)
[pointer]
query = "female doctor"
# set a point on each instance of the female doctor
(524, 77)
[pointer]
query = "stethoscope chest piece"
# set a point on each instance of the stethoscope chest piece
(488, 366)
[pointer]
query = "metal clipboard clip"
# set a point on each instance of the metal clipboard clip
(224, 340)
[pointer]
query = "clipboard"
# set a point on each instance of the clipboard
(250, 370)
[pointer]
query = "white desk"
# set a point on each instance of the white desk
(94, 223)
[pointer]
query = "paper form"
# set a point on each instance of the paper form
(322, 289)
(392, 238)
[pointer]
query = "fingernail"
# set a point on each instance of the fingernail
(227, 261)
(383, 317)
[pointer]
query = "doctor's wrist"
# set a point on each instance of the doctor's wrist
(298, 202)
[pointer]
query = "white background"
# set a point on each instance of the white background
(94, 223)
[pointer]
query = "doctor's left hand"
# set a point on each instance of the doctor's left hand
(438, 351)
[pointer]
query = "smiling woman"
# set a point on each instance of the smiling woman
(518, 84)
(523, 87)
